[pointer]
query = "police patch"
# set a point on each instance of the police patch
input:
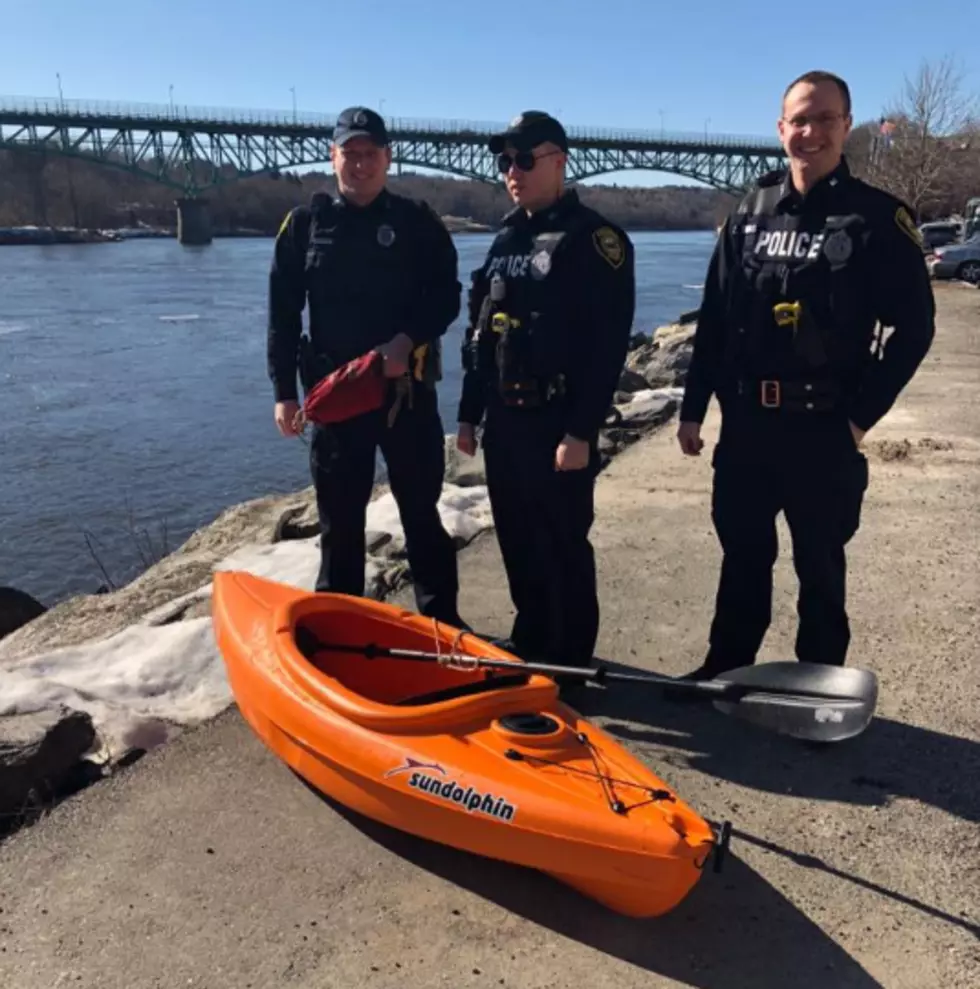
(907, 226)
(609, 246)
(540, 264)
(386, 235)
(838, 247)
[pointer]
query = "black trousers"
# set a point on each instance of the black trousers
(542, 519)
(342, 462)
(808, 467)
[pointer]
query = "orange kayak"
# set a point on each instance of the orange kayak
(492, 763)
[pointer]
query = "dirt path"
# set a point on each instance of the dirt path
(857, 865)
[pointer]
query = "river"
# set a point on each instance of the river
(134, 394)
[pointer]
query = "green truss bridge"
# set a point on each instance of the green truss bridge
(191, 149)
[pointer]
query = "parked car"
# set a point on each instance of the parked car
(938, 233)
(956, 261)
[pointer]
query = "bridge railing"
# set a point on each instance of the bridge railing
(155, 114)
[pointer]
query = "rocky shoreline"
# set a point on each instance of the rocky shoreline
(47, 754)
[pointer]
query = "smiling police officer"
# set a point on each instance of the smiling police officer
(803, 270)
(550, 315)
(379, 272)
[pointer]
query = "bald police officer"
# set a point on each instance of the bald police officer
(550, 315)
(378, 271)
(805, 267)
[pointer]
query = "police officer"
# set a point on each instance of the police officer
(805, 267)
(378, 271)
(550, 315)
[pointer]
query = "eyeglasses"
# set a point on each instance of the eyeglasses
(801, 120)
(524, 160)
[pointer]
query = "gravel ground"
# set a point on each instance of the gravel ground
(855, 865)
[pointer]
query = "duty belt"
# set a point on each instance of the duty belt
(531, 392)
(790, 396)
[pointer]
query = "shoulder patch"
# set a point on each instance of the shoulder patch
(906, 225)
(609, 245)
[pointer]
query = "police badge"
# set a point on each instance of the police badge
(386, 235)
(838, 247)
(540, 264)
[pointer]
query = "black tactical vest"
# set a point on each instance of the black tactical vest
(362, 267)
(799, 295)
(520, 341)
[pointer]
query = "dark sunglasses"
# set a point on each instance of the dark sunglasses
(524, 160)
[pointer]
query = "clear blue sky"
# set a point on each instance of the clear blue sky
(614, 63)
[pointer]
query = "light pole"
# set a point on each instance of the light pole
(292, 89)
(171, 99)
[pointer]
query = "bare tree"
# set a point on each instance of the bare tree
(924, 136)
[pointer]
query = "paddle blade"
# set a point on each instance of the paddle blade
(798, 709)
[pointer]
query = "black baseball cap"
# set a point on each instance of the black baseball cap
(360, 121)
(529, 129)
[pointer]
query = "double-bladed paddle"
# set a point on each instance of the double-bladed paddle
(808, 701)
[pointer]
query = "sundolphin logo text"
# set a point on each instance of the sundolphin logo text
(472, 800)
(788, 244)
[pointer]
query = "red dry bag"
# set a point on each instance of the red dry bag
(357, 387)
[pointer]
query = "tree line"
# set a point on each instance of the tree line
(49, 189)
(925, 148)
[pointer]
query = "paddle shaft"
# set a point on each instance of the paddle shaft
(710, 689)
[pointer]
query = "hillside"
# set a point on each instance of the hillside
(62, 192)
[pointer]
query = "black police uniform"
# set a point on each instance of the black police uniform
(550, 316)
(787, 342)
(368, 273)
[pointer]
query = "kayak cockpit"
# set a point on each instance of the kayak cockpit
(333, 652)
(398, 682)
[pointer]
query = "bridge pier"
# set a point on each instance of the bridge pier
(193, 221)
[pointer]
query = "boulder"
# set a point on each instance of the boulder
(41, 760)
(675, 335)
(629, 421)
(17, 608)
(638, 358)
(298, 521)
(663, 362)
(648, 412)
(631, 381)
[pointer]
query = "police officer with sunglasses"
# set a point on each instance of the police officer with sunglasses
(550, 317)
(810, 262)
